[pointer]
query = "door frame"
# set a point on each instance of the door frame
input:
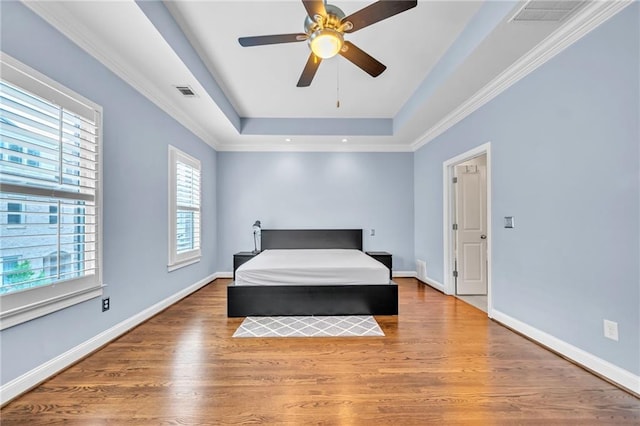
(448, 216)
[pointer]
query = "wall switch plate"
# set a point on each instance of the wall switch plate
(373, 232)
(611, 330)
(106, 304)
(509, 222)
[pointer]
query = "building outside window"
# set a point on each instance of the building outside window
(53, 215)
(52, 266)
(9, 269)
(14, 215)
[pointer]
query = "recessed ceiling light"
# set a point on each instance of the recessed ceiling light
(287, 140)
(345, 140)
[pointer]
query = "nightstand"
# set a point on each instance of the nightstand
(240, 258)
(384, 258)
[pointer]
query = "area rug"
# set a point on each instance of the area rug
(315, 326)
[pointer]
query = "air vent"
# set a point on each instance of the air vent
(186, 91)
(546, 11)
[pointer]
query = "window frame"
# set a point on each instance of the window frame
(179, 260)
(24, 305)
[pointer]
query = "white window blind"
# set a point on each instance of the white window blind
(184, 218)
(49, 167)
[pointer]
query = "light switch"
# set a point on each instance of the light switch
(508, 222)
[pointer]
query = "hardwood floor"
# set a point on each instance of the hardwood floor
(441, 362)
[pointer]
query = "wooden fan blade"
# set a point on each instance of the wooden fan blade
(271, 39)
(362, 59)
(309, 70)
(314, 7)
(377, 12)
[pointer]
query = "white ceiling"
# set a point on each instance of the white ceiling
(261, 81)
(443, 58)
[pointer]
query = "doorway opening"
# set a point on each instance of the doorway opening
(467, 227)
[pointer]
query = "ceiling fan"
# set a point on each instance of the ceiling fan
(324, 27)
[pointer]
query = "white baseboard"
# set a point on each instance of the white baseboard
(433, 283)
(32, 378)
(222, 275)
(618, 375)
(21, 384)
(403, 274)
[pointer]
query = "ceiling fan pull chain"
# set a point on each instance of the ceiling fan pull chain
(338, 83)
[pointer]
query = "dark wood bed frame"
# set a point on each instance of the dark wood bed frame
(288, 300)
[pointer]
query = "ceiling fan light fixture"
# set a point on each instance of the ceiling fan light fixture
(326, 43)
(324, 26)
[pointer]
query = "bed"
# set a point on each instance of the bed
(262, 289)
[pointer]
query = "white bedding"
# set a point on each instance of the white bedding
(312, 267)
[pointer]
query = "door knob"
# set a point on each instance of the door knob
(483, 237)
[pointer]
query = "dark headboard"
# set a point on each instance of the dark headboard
(311, 239)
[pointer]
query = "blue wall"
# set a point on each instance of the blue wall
(565, 163)
(317, 190)
(135, 186)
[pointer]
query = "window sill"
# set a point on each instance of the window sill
(182, 264)
(46, 306)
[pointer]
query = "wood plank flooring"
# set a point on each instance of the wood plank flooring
(441, 362)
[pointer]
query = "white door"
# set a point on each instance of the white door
(471, 234)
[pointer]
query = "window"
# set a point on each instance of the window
(30, 159)
(184, 209)
(53, 215)
(14, 215)
(52, 265)
(15, 148)
(9, 269)
(49, 175)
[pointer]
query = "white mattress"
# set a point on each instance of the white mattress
(312, 267)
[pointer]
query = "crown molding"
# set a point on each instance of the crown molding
(586, 19)
(297, 147)
(82, 36)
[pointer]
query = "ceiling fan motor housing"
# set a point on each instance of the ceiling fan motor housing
(331, 20)
(325, 32)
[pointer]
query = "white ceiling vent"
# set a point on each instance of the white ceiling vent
(546, 11)
(186, 91)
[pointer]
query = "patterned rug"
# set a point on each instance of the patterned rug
(320, 326)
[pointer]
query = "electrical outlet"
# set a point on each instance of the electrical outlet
(611, 330)
(373, 232)
(106, 304)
